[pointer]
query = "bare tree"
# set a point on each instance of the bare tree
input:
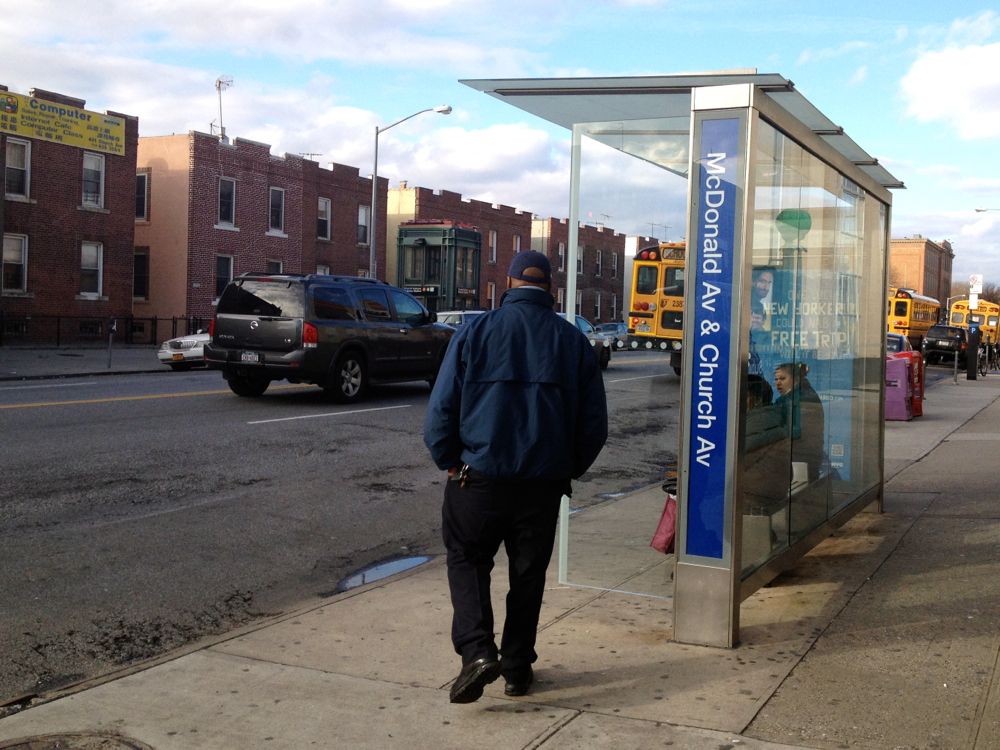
(990, 293)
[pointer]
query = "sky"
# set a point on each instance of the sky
(915, 84)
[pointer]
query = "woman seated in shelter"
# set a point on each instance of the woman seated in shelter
(801, 414)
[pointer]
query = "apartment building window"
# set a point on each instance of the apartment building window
(140, 274)
(323, 219)
(493, 246)
(17, 175)
(597, 272)
(142, 196)
(614, 265)
(364, 219)
(579, 303)
(597, 307)
(276, 210)
(562, 256)
(93, 180)
(517, 244)
(223, 273)
(15, 263)
(491, 294)
(227, 202)
(579, 260)
(614, 304)
(274, 266)
(91, 269)
(322, 269)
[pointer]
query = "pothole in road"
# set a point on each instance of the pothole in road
(378, 571)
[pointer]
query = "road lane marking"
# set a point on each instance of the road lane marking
(114, 399)
(46, 385)
(330, 414)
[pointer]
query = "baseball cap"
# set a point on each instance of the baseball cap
(531, 259)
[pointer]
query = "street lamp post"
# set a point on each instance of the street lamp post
(443, 109)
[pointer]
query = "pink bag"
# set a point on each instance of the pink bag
(663, 539)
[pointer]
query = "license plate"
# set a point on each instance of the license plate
(643, 328)
(177, 357)
(250, 357)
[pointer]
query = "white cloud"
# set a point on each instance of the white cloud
(375, 33)
(859, 77)
(957, 86)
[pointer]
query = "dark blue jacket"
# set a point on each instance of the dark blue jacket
(519, 394)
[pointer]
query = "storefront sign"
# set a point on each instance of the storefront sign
(421, 289)
(60, 123)
(711, 320)
(466, 292)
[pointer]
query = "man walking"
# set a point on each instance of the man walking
(517, 411)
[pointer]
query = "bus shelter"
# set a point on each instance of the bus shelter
(779, 438)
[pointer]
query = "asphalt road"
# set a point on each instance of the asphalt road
(141, 512)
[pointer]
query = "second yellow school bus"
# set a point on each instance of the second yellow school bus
(986, 315)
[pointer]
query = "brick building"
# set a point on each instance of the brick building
(66, 218)
(440, 218)
(214, 210)
(923, 265)
(600, 267)
(503, 231)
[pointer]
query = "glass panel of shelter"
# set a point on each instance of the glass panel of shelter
(812, 420)
(612, 519)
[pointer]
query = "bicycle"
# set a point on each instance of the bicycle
(983, 360)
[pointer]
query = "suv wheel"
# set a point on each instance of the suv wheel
(349, 378)
(247, 386)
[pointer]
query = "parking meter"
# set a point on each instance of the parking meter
(112, 330)
(972, 354)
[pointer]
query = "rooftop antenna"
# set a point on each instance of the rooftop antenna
(222, 83)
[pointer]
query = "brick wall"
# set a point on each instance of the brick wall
(506, 221)
(608, 280)
(250, 241)
(56, 224)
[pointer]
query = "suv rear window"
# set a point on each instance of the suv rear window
(945, 332)
(279, 299)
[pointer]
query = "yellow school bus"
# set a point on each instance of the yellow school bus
(911, 314)
(656, 300)
(986, 315)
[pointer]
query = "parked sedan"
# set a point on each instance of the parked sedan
(618, 330)
(184, 352)
(603, 343)
(457, 318)
(897, 342)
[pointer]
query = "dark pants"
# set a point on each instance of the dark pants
(476, 519)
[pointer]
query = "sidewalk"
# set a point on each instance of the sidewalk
(58, 362)
(885, 636)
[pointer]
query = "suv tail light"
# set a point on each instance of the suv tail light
(310, 336)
